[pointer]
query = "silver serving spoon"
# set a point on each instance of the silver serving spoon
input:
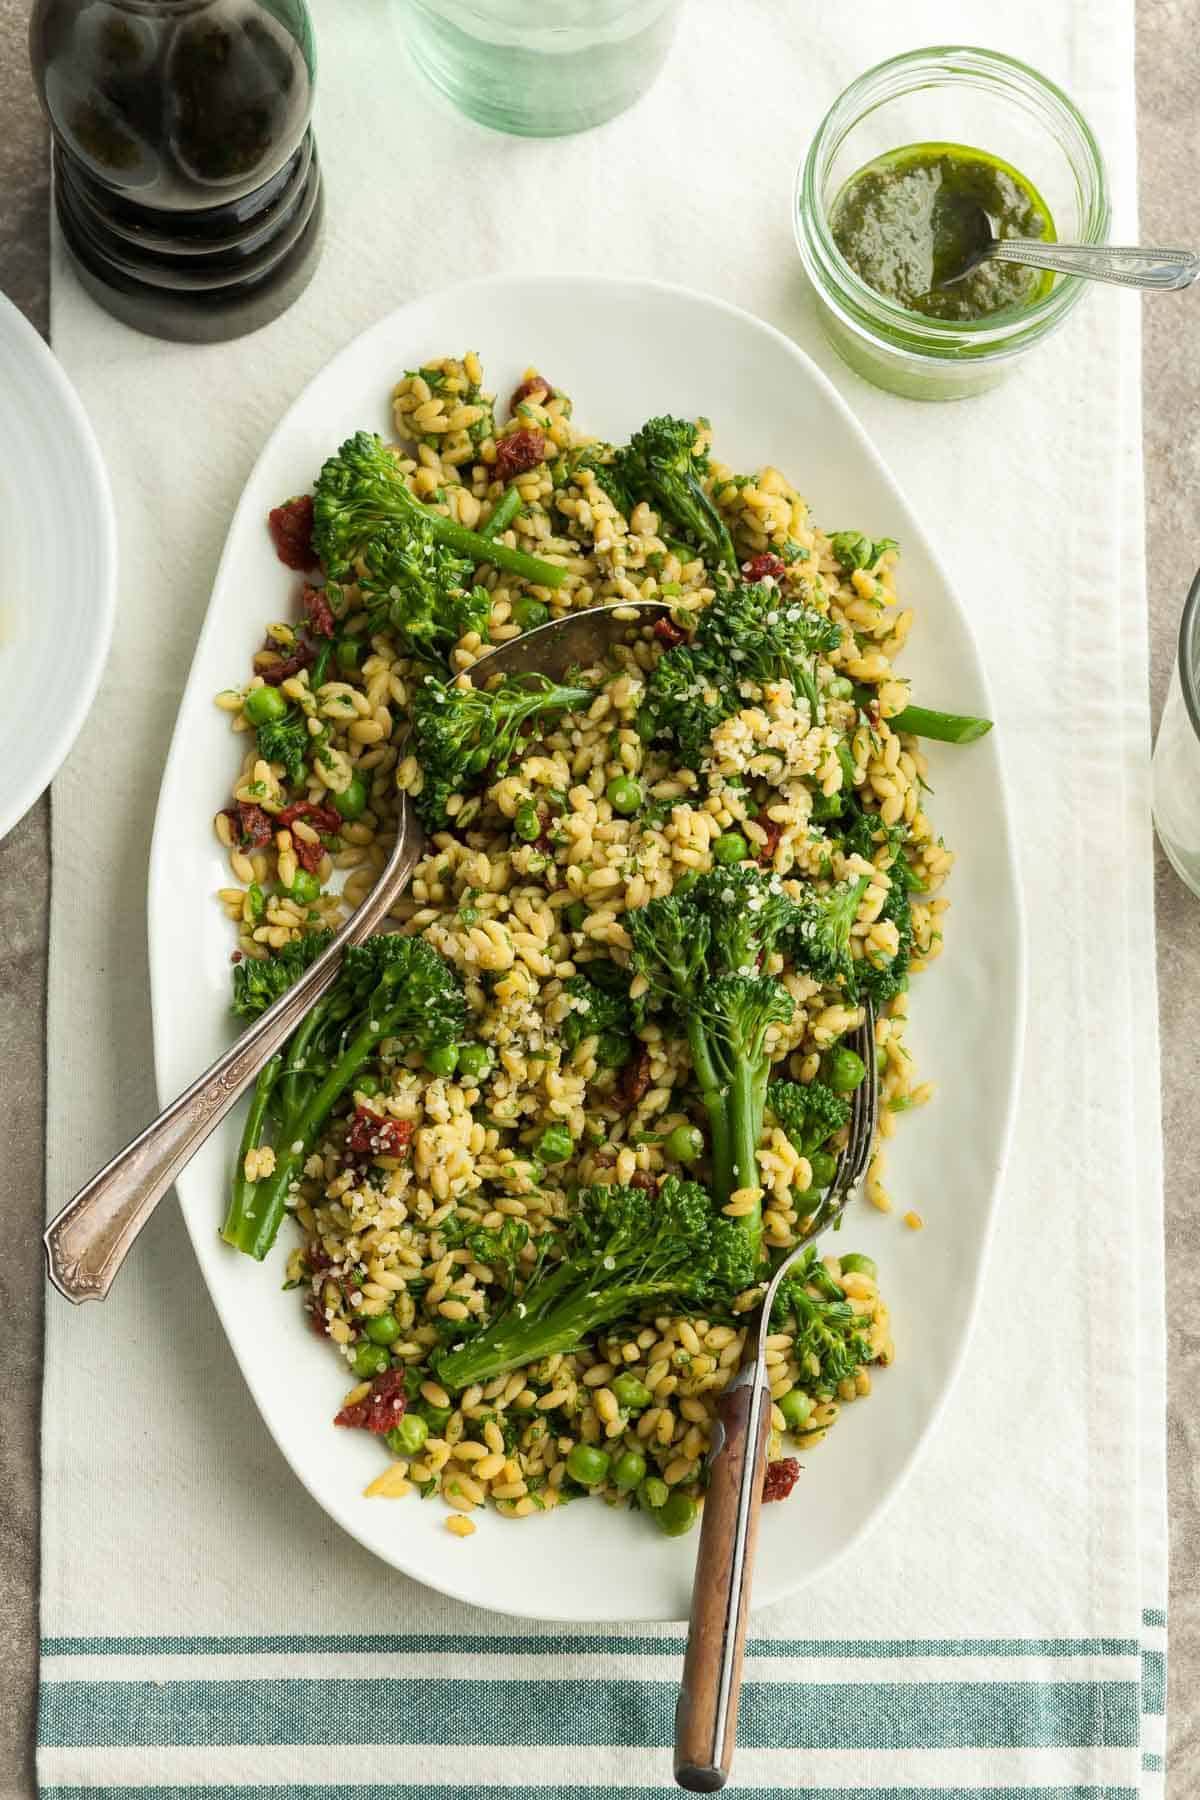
(1126, 265)
(90, 1238)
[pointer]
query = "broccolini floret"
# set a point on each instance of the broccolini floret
(286, 741)
(855, 550)
(830, 1340)
(809, 1114)
(361, 491)
(749, 633)
(662, 463)
(419, 589)
(700, 952)
(464, 736)
(879, 977)
(622, 1250)
(259, 981)
(819, 935)
(602, 1010)
(388, 987)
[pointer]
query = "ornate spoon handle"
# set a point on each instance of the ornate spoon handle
(91, 1237)
(1125, 264)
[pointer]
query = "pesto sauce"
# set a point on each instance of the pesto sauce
(892, 224)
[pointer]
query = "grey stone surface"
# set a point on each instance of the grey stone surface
(1168, 74)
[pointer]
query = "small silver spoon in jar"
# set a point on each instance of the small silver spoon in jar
(1126, 265)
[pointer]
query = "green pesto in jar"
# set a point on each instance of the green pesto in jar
(899, 223)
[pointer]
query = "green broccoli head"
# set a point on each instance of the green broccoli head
(258, 982)
(671, 938)
(882, 978)
(416, 587)
(603, 462)
(285, 741)
(464, 736)
(819, 936)
(747, 911)
(359, 492)
(404, 981)
(809, 1115)
(602, 1009)
(686, 699)
(831, 1341)
(663, 463)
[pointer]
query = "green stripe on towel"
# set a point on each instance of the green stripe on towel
(620, 1713)
(566, 1644)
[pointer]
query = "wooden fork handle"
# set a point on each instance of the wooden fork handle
(707, 1709)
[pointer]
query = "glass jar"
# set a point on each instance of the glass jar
(543, 70)
(1176, 774)
(960, 96)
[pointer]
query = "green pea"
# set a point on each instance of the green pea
(434, 1418)
(677, 1515)
(535, 862)
(855, 1263)
(631, 1394)
(370, 1359)
(408, 1436)
(587, 1465)
(613, 1050)
(474, 1061)
(304, 888)
(383, 1329)
(824, 1168)
(628, 1470)
(840, 688)
(366, 1085)
(685, 1144)
(554, 1145)
(575, 915)
(263, 705)
(645, 724)
(352, 801)
(527, 825)
(796, 1408)
(654, 1493)
(348, 651)
(846, 1070)
(528, 612)
(623, 794)
(730, 847)
(442, 1059)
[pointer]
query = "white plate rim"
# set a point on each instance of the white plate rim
(60, 734)
(484, 285)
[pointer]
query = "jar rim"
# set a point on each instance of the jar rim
(872, 315)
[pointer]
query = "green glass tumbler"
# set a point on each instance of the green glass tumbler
(540, 68)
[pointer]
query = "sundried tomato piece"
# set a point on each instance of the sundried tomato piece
(369, 1135)
(668, 633)
(318, 611)
(774, 832)
(760, 567)
(290, 526)
(321, 818)
(519, 452)
(302, 656)
(533, 384)
(780, 1478)
(642, 1179)
(379, 1410)
(253, 826)
(633, 1080)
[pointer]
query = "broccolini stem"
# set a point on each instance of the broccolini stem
(512, 1342)
(503, 514)
(262, 1213)
(711, 1082)
(241, 1202)
(948, 728)
(746, 1109)
(482, 550)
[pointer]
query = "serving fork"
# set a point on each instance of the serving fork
(87, 1242)
(707, 1709)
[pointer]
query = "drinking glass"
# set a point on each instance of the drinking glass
(1176, 774)
(540, 68)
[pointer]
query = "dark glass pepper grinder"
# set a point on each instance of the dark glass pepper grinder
(186, 179)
